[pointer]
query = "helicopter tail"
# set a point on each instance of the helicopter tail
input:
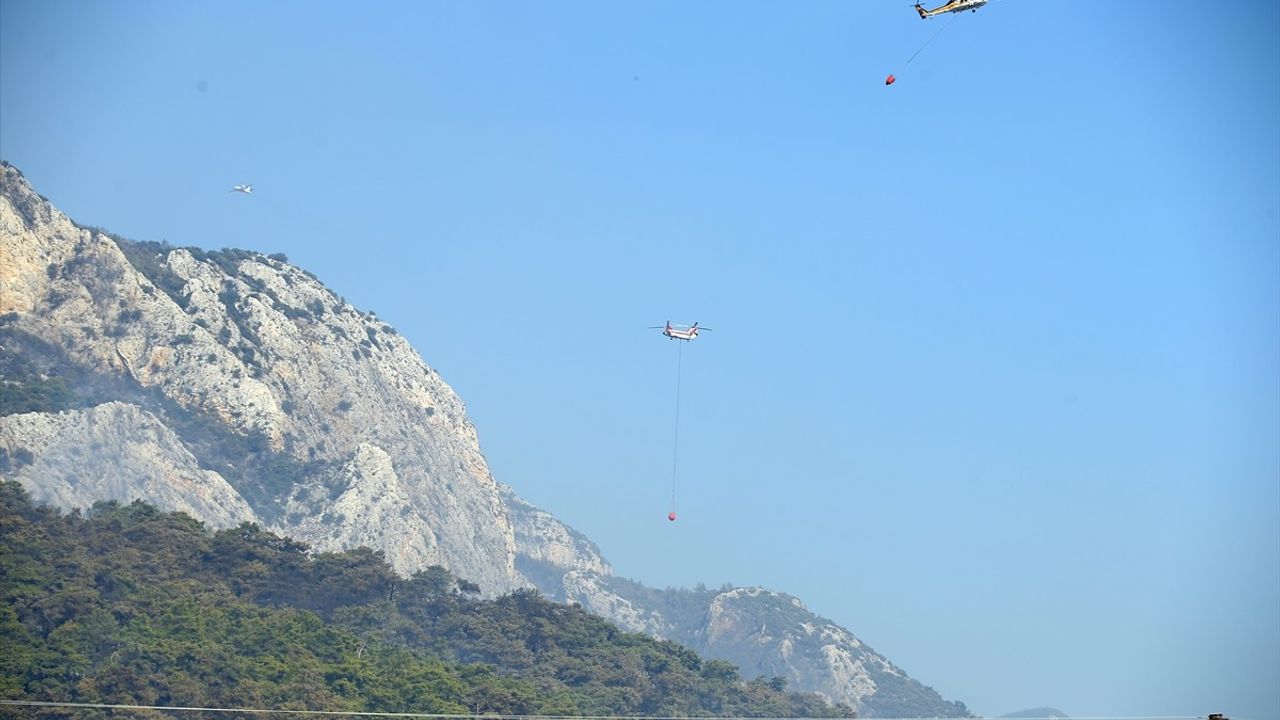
(923, 14)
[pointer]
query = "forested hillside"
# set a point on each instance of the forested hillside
(132, 605)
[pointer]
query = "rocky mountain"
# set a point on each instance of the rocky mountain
(765, 633)
(236, 387)
(278, 372)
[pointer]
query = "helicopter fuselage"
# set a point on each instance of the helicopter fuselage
(680, 334)
(954, 6)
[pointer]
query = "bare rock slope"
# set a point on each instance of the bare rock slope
(262, 354)
(115, 451)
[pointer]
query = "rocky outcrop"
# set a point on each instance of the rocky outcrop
(277, 363)
(772, 634)
(365, 504)
(114, 452)
(594, 593)
(541, 538)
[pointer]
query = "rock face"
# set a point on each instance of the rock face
(279, 367)
(369, 510)
(764, 633)
(773, 634)
(114, 452)
(237, 388)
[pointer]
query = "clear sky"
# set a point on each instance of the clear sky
(995, 372)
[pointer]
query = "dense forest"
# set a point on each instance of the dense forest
(126, 604)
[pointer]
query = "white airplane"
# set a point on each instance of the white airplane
(246, 189)
(679, 332)
(950, 7)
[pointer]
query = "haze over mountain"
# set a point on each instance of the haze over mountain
(1037, 712)
(237, 388)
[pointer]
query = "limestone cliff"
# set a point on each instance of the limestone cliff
(773, 634)
(278, 373)
(114, 451)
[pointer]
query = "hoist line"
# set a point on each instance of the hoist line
(675, 450)
(929, 42)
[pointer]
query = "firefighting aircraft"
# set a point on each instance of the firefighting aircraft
(679, 332)
(246, 189)
(953, 6)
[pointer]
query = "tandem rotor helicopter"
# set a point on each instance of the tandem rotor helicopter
(679, 332)
(686, 333)
(954, 6)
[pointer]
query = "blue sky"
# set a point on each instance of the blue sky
(995, 372)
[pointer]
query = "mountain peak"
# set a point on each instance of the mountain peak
(277, 377)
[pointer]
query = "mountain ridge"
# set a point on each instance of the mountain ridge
(268, 392)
